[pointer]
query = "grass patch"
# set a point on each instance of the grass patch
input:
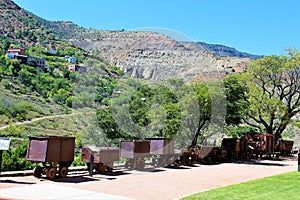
(284, 186)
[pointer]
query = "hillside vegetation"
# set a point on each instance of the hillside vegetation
(29, 92)
(107, 86)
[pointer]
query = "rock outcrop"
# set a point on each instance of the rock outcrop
(153, 56)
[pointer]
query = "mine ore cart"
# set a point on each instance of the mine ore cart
(56, 153)
(235, 149)
(189, 156)
(135, 152)
(162, 151)
(284, 147)
(104, 158)
(209, 154)
(259, 144)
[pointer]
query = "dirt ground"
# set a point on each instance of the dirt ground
(163, 183)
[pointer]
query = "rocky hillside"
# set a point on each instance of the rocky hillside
(220, 50)
(153, 56)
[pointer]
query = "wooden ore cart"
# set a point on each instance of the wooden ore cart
(135, 152)
(104, 158)
(56, 153)
(209, 154)
(235, 149)
(284, 147)
(259, 144)
(162, 151)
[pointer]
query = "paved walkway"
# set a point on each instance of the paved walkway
(149, 184)
(51, 192)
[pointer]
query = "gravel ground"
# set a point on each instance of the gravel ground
(163, 183)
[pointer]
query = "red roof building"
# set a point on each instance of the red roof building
(15, 51)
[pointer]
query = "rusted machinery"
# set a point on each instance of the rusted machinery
(284, 147)
(135, 152)
(251, 144)
(56, 153)
(235, 149)
(259, 144)
(162, 151)
(104, 158)
(209, 154)
(189, 156)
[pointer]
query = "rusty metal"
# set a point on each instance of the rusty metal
(50, 149)
(132, 149)
(135, 152)
(162, 151)
(159, 146)
(259, 143)
(209, 154)
(234, 149)
(103, 154)
(284, 147)
(103, 158)
(53, 152)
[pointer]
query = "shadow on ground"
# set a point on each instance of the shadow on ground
(15, 182)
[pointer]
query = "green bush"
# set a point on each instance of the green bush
(13, 160)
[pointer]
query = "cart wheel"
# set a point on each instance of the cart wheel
(102, 168)
(110, 169)
(129, 164)
(140, 164)
(63, 171)
(51, 172)
(37, 172)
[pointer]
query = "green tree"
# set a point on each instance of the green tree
(237, 103)
(274, 92)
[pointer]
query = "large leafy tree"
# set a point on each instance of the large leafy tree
(274, 92)
(237, 103)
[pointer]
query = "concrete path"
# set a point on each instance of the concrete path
(52, 192)
(149, 184)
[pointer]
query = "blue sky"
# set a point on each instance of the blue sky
(263, 27)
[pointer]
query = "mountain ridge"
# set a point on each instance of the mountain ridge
(143, 55)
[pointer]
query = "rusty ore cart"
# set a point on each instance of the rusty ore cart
(135, 152)
(56, 153)
(284, 147)
(259, 144)
(162, 151)
(104, 158)
(235, 149)
(209, 154)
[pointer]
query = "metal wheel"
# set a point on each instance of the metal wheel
(51, 172)
(129, 164)
(37, 172)
(102, 168)
(110, 167)
(140, 163)
(63, 171)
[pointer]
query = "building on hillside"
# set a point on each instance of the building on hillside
(27, 60)
(15, 51)
(71, 59)
(77, 68)
(52, 51)
(38, 62)
(21, 58)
